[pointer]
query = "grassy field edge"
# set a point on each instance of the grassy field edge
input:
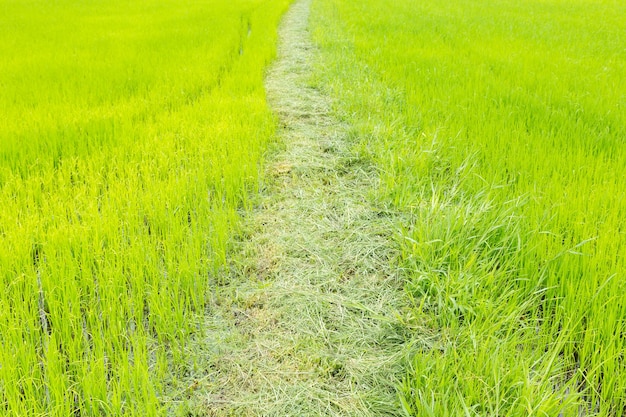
(510, 289)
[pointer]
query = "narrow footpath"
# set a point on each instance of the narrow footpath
(309, 325)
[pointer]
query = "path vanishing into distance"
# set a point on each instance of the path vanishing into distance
(309, 325)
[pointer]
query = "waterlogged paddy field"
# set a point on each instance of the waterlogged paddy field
(501, 128)
(131, 133)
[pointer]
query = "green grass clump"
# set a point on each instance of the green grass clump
(499, 126)
(131, 135)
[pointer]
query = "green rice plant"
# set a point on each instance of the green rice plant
(131, 136)
(498, 126)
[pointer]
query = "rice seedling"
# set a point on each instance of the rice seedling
(131, 135)
(499, 127)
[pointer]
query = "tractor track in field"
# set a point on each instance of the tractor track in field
(309, 324)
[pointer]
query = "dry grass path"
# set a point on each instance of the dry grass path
(309, 325)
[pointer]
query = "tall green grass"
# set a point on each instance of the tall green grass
(500, 126)
(130, 135)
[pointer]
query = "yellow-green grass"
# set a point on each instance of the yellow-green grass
(500, 126)
(131, 134)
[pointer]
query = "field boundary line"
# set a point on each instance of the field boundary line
(308, 325)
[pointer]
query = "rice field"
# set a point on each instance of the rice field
(133, 138)
(499, 127)
(131, 135)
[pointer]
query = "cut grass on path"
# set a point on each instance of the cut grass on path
(308, 325)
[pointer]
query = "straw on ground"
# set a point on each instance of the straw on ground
(308, 327)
